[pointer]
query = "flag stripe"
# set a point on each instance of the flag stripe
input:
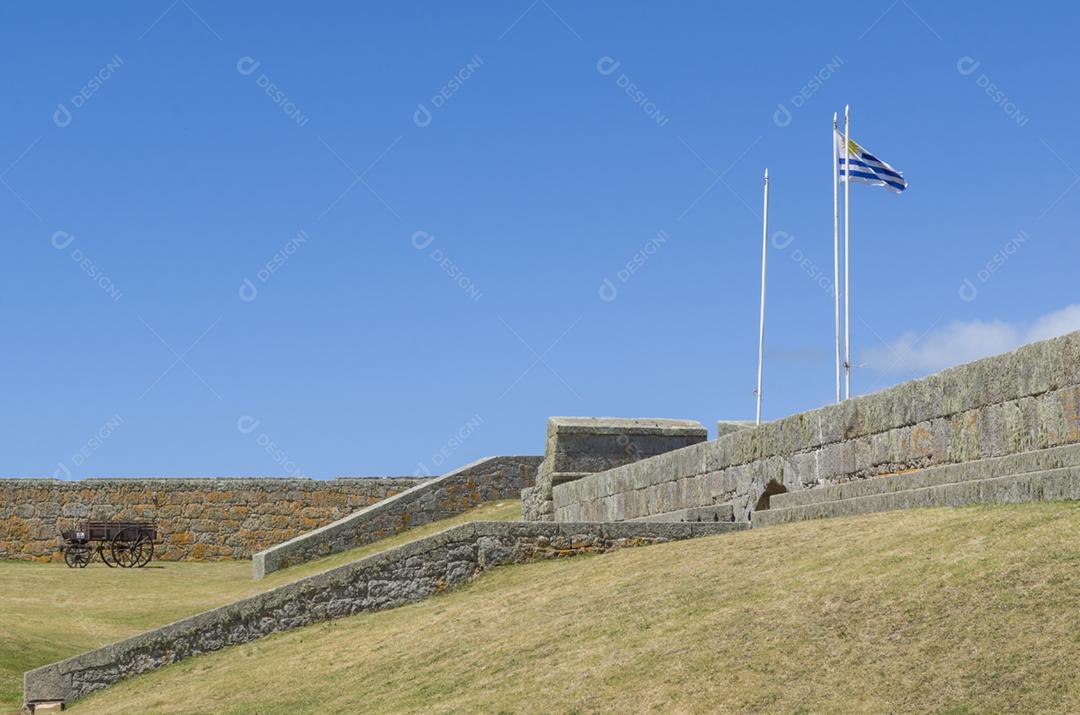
(879, 169)
(867, 178)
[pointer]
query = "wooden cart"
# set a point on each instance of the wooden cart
(125, 544)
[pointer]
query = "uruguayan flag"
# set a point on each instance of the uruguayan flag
(867, 168)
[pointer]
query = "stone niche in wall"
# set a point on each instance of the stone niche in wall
(579, 446)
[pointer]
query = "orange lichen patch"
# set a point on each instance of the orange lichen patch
(1068, 401)
(900, 471)
(233, 520)
(922, 440)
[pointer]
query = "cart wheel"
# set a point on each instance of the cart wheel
(106, 556)
(147, 552)
(127, 547)
(77, 556)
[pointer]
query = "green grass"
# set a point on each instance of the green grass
(49, 612)
(944, 610)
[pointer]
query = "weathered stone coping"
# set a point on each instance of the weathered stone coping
(625, 426)
(437, 498)
(404, 574)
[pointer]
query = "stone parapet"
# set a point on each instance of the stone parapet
(1020, 401)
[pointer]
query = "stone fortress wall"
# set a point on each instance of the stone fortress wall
(1008, 404)
(197, 518)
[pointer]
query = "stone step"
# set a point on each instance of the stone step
(699, 514)
(1022, 463)
(1048, 485)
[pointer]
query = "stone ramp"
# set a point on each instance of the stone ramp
(405, 574)
(433, 499)
(1040, 475)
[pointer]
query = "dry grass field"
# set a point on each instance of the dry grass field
(948, 610)
(49, 612)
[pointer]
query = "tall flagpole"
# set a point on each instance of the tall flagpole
(761, 328)
(847, 252)
(836, 248)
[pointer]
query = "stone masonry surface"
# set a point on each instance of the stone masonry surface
(578, 446)
(401, 575)
(434, 499)
(197, 518)
(1024, 400)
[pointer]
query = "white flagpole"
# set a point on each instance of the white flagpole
(836, 248)
(761, 328)
(847, 252)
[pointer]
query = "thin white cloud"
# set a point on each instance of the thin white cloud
(1054, 324)
(961, 342)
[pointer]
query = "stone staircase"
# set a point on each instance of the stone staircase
(1041, 475)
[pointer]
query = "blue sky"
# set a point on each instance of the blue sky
(390, 238)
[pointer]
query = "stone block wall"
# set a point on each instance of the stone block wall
(1020, 401)
(578, 446)
(397, 576)
(198, 518)
(452, 493)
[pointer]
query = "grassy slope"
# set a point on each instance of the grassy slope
(967, 610)
(49, 612)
